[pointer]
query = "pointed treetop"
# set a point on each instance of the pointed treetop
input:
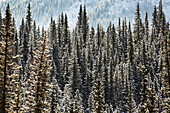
(0, 19)
(28, 17)
(146, 20)
(138, 11)
(160, 5)
(80, 16)
(66, 20)
(146, 17)
(8, 15)
(51, 19)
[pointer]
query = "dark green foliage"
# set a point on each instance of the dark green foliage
(97, 71)
(28, 18)
(8, 66)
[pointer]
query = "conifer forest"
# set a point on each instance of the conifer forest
(123, 69)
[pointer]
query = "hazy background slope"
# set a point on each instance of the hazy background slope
(99, 11)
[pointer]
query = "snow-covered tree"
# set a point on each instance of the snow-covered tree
(74, 69)
(9, 79)
(131, 104)
(0, 20)
(55, 96)
(144, 92)
(77, 104)
(98, 91)
(166, 73)
(38, 83)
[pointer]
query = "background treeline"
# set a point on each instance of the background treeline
(86, 70)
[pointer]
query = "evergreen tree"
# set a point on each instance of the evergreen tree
(163, 26)
(62, 21)
(39, 79)
(35, 37)
(29, 34)
(0, 22)
(155, 18)
(106, 81)
(66, 31)
(77, 105)
(21, 33)
(85, 71)
(67, 50)
(56, 94)
(146, 29)
(130, 44)
(25, 45)
(119, 41)
(152, 104)
(160, 16)
(74, 69)
(137, 26)
(59, 32)
(55, 50)
(15, 37)
(131, 104)
(85, 25)
(98, 95)
(28, 18)
(144, 93)
(80, 20)
(98, 89)
(8, 67)
(98, 36)
(166, 73)
(137, 37)
(90, 103)
(66, 103)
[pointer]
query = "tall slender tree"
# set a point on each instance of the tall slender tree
(39, 79)
(8, 67)
(166, 73)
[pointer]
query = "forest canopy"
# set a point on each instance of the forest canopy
(121, 70)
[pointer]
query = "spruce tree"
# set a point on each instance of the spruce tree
(146, 28)
(91, 106)
(130, 44)
(67, 100)
(80, 20)
(166, 73)
(38, 83)
(35, 37)
(77, 104)
(106, 81)
(59, 32)
(131, 104)
(55, 95)
(152, 96)
(98, 88)
(0, 22)
(98, 36)
(21, 33)
(160, 17)
(28, 17)
(85, 26)
(154, 23)
(137, 37)
(15, 37)
(74, 69)
(8, 67)
(62, 20)
(144, 92)
(137, 26)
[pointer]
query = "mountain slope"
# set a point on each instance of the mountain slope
(99, 11)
